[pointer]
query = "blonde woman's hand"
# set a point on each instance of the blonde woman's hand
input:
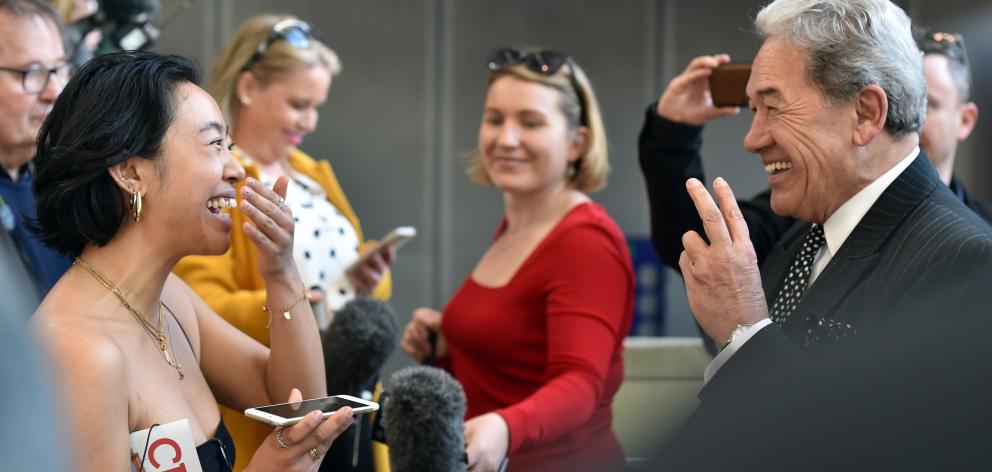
(300, 447)
(487, 440)
(424, 324)
(370, 269)
(272, 226)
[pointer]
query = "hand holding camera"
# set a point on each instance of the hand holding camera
(708, 88)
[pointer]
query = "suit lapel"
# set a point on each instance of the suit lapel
(860, 250)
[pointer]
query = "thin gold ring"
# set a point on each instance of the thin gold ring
(280, 439)
(314, 454)
(280, 202)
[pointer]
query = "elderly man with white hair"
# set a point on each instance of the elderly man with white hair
(859, 343)
(839, 97)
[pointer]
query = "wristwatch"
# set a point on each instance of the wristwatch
(738, 331)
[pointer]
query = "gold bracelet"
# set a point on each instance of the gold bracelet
(285, 311)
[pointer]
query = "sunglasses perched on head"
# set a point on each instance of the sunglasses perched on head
(544, 62)
(295, 32)
(942, 37)
(947, 44)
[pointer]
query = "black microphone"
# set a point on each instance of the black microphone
(424, 419)
(361, 337)
(364, 333)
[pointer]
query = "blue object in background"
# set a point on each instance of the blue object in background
(650, 303)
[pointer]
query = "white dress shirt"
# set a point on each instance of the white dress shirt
(836, 229)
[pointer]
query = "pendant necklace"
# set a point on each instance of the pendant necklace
(157, 333)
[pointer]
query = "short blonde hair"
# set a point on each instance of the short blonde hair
(280, 58)
(589, 172)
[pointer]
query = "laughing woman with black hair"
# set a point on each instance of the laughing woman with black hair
(134, 171)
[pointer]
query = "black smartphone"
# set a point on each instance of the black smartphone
(728, 85)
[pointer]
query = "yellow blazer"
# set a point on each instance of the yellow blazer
(232, 286)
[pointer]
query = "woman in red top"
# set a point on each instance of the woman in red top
(535, 333)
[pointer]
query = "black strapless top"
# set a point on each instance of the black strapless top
(217, 454)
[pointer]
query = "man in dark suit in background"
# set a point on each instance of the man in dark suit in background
(838, 97)
(951, 115)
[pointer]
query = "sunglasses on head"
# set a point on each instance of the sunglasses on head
(942, 37)
(295, 32)
(543, 62)
(940, 42)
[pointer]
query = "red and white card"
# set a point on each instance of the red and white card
(169, 446)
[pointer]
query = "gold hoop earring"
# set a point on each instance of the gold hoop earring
(136, 206)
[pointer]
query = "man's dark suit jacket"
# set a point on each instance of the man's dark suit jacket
(916, 243)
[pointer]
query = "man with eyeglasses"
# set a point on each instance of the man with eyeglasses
(32, 73)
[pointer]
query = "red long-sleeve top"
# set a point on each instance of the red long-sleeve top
(545, 350)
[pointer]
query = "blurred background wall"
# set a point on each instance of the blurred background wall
(410, 98)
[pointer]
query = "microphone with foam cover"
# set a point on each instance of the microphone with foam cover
(364, 333)
(361, 337)
(424, 419)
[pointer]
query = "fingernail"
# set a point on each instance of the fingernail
(245, 205)
(251, 181)
(719, 181)
(692, 182)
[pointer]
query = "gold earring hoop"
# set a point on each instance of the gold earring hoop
(136, 206)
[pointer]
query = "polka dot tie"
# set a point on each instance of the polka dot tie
(797, 279)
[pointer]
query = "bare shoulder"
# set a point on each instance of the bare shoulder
(77, 340)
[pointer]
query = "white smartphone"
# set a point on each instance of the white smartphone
(285, 414)
(396, 238)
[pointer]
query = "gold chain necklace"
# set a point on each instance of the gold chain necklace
(157, 333)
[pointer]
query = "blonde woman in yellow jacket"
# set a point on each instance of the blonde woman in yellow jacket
(269, 80)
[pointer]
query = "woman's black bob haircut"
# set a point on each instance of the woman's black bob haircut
(116, 107)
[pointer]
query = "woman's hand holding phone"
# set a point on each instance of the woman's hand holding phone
(300, 447)
(366, 273)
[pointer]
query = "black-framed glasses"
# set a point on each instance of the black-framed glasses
(295, 32)
(544, 62)
(35, 78)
